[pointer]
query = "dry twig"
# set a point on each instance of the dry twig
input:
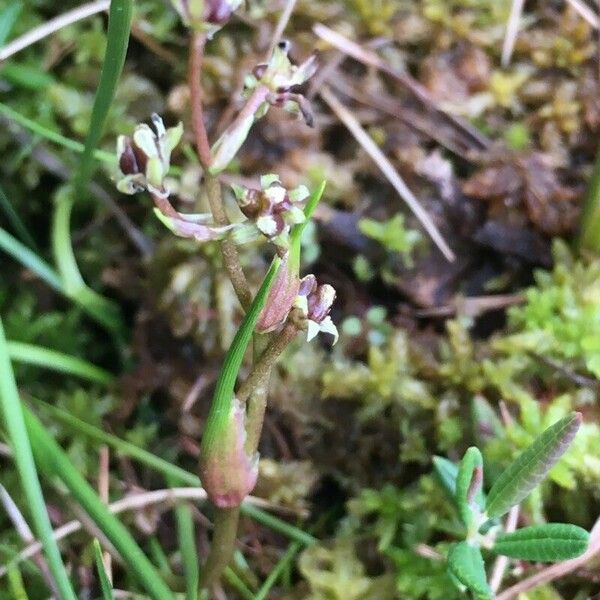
(386, 167)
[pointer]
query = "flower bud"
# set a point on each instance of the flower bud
(227, 472)
(281, 296)
(314, 303)
(144, 159)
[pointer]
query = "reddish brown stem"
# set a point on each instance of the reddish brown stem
(197, 42)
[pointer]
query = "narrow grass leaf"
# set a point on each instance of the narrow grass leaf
(30, 260)
(19, 440)
(531, 466)
(468, 484)
(117, 40)
(465, 564)
(284, 561)
(56, 463)
(187, 547)
(170, 470)
(552, 542)
(58, 361)
(105, 586)
(8, 18)
(15, 220)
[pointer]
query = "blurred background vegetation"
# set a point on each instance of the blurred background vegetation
(433, 356)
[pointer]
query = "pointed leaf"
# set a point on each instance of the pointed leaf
(468, 484)
(546, 543)
(447, 473)
(465, 564)
(105, 585)
(530, 467)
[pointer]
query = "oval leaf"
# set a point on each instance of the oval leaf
(465, 564)
(530, 467)
(546, 543)
(468, 484)
(446, 472)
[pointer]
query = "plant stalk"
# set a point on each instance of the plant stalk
(222, 546)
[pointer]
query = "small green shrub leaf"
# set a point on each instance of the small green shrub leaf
(465, 564)
(447, 473)
(530, 467)
(468, 484)
(545, 543)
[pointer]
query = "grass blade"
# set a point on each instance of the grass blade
(552, 542)
(105, 585)
(531, 466)
(55, 462)
(8, 18)
(117, 40)
(170, 470)
(187, 546)
(23, 456)
(465, 564)
(269, 582)
(57, 361)
(15, 220)
(51, 135)
(30, 260)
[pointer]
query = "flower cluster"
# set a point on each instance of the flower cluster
(271, 84)
(273, 209)
(144, 158)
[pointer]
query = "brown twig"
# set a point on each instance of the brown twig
(281, 25)
(386, 167)
(419, 91)
(512, 31)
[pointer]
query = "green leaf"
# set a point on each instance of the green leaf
(465, 564)
(447, 473)
(57, 361)
(52, 459)
(8, 17)
(187, 547)
(105, 585)
(531, 466)
(14, 422)
(546, 543)
(117, 40)
(468, 485)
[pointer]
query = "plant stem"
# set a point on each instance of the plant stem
(231, 258)
(196, 56)
(255, 388)
(230, 254)
(223, 543)
(589, 234)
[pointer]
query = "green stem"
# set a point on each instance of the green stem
(255, 388)
(23, 456)
(589, 235)
(223, 543)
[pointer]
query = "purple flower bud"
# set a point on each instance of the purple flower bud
(320, 302)
(281, 297)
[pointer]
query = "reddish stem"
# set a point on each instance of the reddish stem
(197, 43)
